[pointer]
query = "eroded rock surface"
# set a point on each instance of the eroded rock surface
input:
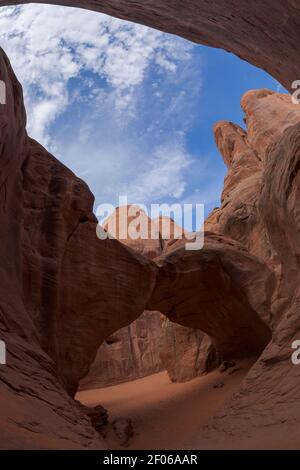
(133, 351)
(79, 289)
(221, 290)
(63, 291)
(36, 411)
(265, 412)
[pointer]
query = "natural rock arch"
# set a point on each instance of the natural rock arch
(264, 34)
(41, 365)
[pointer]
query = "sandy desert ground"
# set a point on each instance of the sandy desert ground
(165, 415)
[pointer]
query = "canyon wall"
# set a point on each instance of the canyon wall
(265, 411)
(32, 396)
(130, 353)
(61, 294)
(77, 289)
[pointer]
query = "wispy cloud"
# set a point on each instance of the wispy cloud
(162, 176)
(113, 100)
(49, 46)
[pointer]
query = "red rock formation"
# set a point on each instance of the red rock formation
(145, 237)
(63, 291)
(143, 347)
(265, 412)
(264, 34)
(48, 241)
(133, 351)
(220, 290)
(239, 293)
(74, 276)
(29, 377)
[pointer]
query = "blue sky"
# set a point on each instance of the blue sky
(129, 109)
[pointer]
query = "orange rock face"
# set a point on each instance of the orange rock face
(185, 352)
(134, 228)
(29, 377)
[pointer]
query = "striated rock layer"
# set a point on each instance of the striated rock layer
(264, 34)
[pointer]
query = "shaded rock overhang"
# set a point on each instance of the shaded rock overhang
(265, 35)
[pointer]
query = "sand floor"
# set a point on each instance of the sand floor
(165, 415)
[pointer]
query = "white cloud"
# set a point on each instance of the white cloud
(49, 46)
(113, 100)
(162, 176)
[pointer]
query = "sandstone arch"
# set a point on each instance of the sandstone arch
(41, 366)
(266, 35)
(221, 290)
